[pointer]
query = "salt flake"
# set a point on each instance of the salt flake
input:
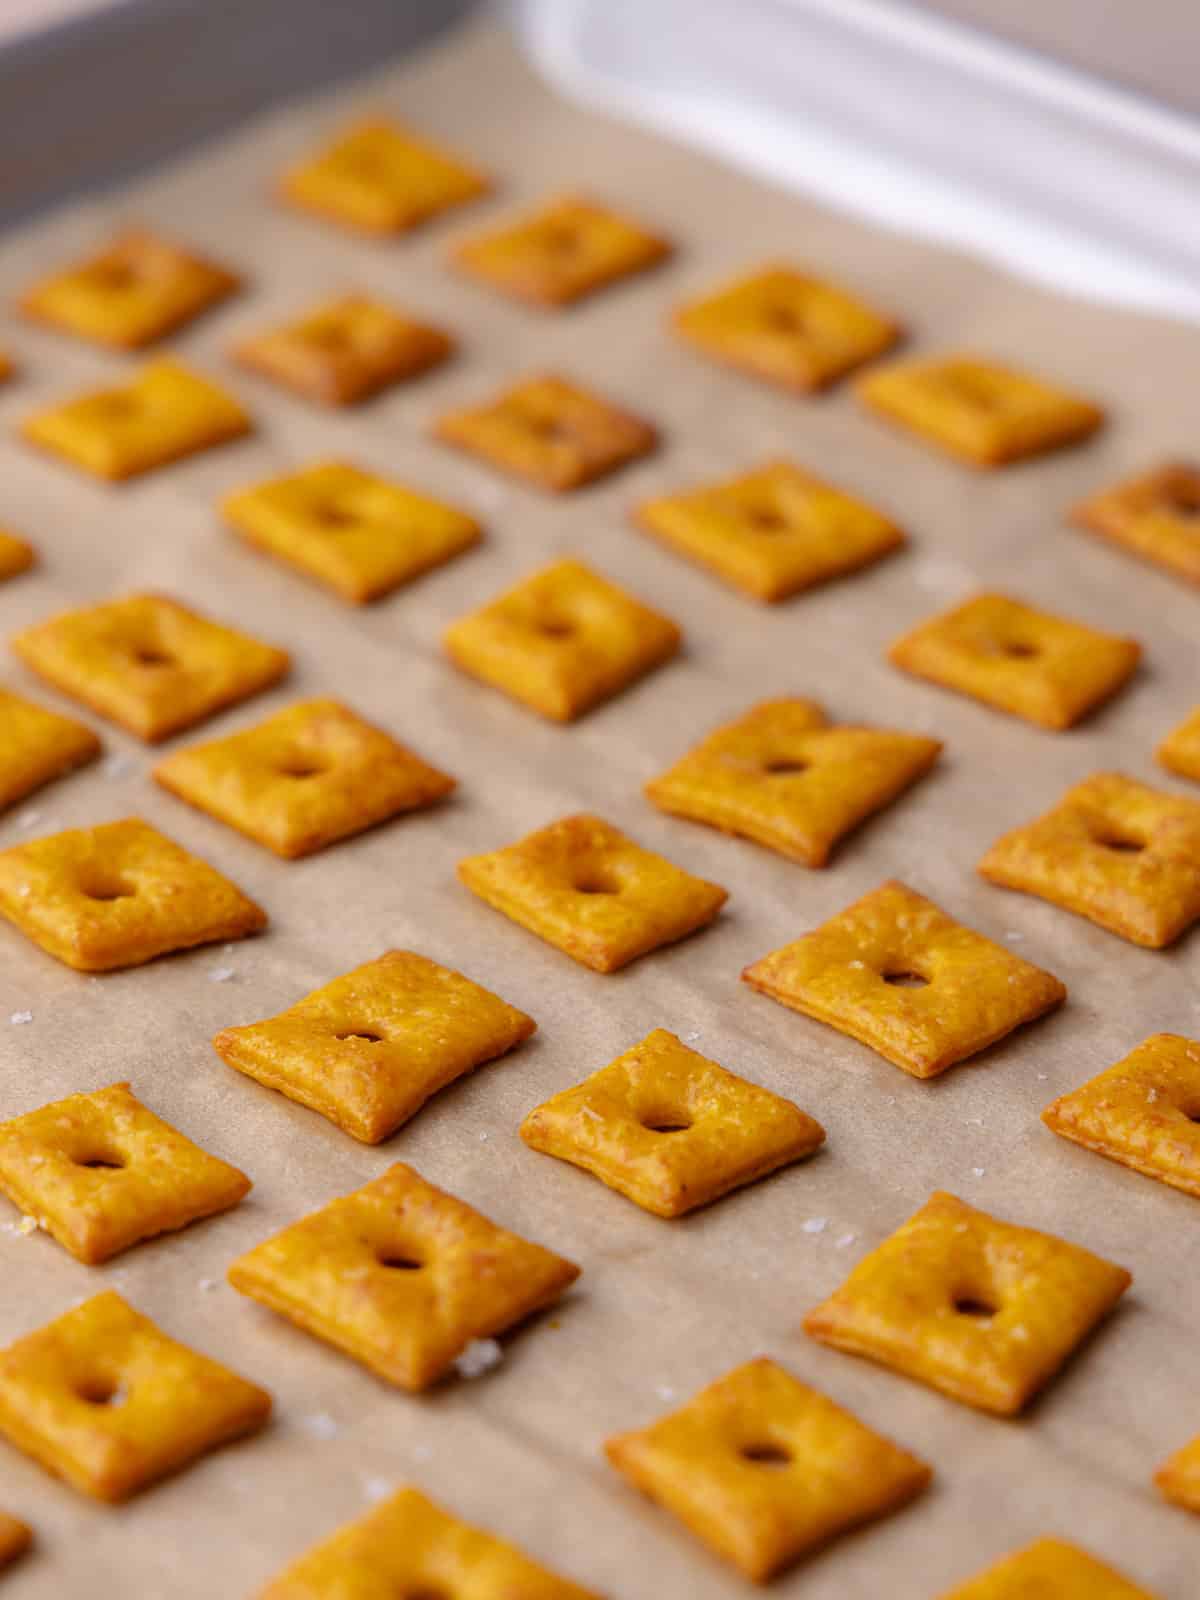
(815, 1224)
(376, 1489)
(18, 1017)
(480, 1356)
(320, 1425)
(220, 974)
(27, 1225)
(846, 1240)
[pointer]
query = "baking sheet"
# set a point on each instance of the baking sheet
(661, 1308)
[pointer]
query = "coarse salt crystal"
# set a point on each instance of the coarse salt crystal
(978, 1172)
(116, 766)
(29, 819)
(483, 1138)
(27, 1225)
(480, 1356)
(376, 1489)
(19, 1017)
(320, 1425)
(208, 1285)
(1152, 1094)
(815, 1224)
(220, 974)
(846, 1240)
(664, 1391)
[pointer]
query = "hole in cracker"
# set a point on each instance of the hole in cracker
(559, 240)
(596, 880)
(1122, 843)
(151, 655)
(971, 1305)
(905, 978)
(766, 1454)
(424, 1593)
(551, 430)
(1013, 649)
(664, 1121)
(299, 766)
(101, 1392)
(100, 1161)
(766, 519)
(783, 319)
(328, 336)
(333, 516)
(114, 276)
(785, 767)
(555, 627)
(398, 1260)
(99, 885)
(361, 1033)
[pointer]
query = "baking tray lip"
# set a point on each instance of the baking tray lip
(1098, 201)
(75, 116)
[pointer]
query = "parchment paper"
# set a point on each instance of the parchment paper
(661, 1308)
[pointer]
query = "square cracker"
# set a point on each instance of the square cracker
(306, 777)
(1178, 1478)
(670, 1129)
(982, 1310)
(549, 432)
(786, 777)
(356, 533)
(983, 413)
(408, 1546)
(164, 412)
(344, 351)
(37, 746)
(583, 886)
(401, 1276)
(765, 1470)
(1155, 515)
(16, 556)
(1180, 750)
(148, 663)
(1123, 855)
(15, 1539)
(560, 253)
(789, 328)
(381, 178)
(369, 1049)
(1144, 1112)
(772, 532)
(100, 1172)
(1049, 1567)
(1027, 662)
(896, 973)
(140, 287)
(103, 1398)
(118, 895)
(562, 640)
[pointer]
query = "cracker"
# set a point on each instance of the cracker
(670, 1129)
(980, 1309)
(1144, 1112)
(773, 532)
(983, 413)
(380, 177)
(896, 973)
(140, 287)
(564, 251)
(1051, 1568)
(119, 895)
(402, 1277)
(37, 746)
(163, 413)
(1155, 515)
(356, 533)
(584, 887)
(786, 777)
(16, 556)
(1180, 750)
(6, 367)
(410, 1547)
(562, 640)
(789, 328)
(1123, 855)
(100, 1172)
(149, 664)
(344, 351)
(103, 1398)
(765, 1470)
(549, 432)
(369, 1049)
(306, 777)
(15, 1539)
(1012, 656)
(1178, 1478)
